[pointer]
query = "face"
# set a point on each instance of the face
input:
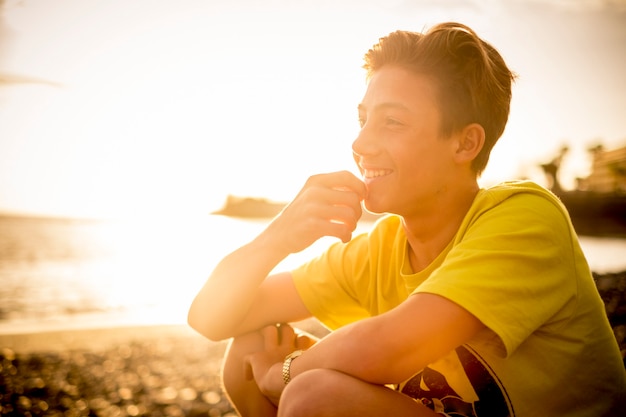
(405, 162)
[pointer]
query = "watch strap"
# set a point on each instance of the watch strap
(287, 365)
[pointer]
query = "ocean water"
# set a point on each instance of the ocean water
(63, 273)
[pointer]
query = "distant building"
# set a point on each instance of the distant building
(608, 172)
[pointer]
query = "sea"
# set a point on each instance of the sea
(64, 274)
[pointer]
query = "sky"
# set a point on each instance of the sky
(114, 108)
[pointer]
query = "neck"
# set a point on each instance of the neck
(429, 231)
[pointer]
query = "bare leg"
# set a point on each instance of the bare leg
(241, 389)
(328, 393)
(243, 393)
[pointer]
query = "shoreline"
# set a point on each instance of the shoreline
(96, 338)
(93, 331)
(140, 369)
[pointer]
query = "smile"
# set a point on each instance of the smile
(375, 173)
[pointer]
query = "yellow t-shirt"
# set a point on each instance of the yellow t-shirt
(516, 264)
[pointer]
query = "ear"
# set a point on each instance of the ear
(469, 142)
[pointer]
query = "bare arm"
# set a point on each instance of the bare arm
(393, 346)
(389, 348)
(238, 297)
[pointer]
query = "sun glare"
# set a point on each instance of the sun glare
(152, 120)
(166, 108)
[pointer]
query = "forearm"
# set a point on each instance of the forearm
(343, 350)
(362, 350)
(225, 299)
(328, 205)
(393, 346)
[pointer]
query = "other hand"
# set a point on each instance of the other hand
(266, 366)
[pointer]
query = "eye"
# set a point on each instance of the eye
(390, 121)
(362, 121)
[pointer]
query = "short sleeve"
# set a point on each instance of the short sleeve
(512, 268)
(323, 286)
(358, 279)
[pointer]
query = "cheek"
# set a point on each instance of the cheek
(411, 162)
(356, 159)
(419, 171)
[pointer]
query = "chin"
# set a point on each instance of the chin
(374, 207)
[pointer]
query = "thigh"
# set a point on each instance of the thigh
(324, 392)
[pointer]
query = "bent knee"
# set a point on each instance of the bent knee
(324, 392)
(312, 393)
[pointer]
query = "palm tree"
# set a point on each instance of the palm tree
(551, 169)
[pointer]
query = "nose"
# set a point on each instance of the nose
(365, 143)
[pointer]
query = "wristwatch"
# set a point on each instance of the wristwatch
(287, 365)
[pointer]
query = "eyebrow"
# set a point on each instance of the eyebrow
(383, 106)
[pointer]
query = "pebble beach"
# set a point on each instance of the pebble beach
(113, 372)
(148, 371)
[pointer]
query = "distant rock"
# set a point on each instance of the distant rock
(261, 208)
(249, 207)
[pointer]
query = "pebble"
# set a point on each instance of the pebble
(612, 289)
(171, 378)
(130, 380)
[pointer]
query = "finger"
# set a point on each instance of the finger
(337, 196)
(341, 179)
(321, 213)
(270, 337)
(342, 231)
(345, 215)
(328, 227)
(279, 331)
(318, 201)
(288, 335)
(338, 229)
(304, 342)
(247, 369)
(346, 198)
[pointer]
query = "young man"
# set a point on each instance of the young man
(462, 301)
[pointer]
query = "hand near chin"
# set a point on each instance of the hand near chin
(327, 205)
